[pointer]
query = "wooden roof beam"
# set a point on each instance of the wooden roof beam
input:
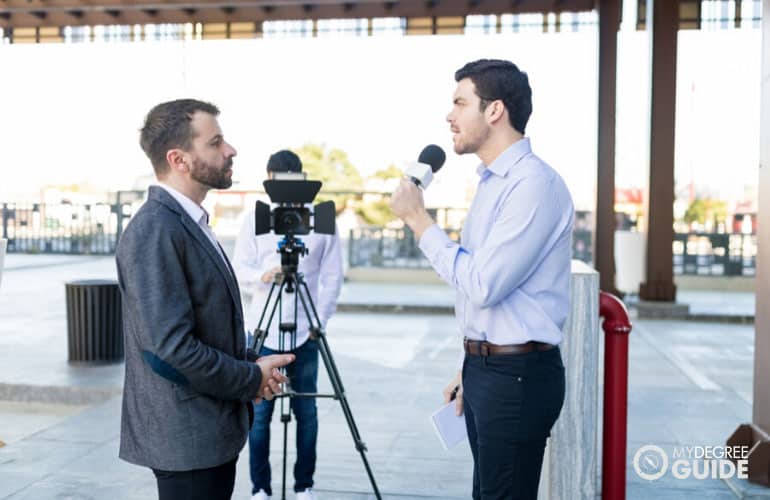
(73, 12)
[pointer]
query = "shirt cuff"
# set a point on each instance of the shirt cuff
(433, 241)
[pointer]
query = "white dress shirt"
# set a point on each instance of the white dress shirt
(321, 267)
(198, 215)
(512, 267)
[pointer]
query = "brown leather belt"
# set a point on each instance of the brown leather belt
(484, 348)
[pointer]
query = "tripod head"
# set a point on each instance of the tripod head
(291, 249)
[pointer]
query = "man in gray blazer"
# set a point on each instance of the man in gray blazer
(188, 385)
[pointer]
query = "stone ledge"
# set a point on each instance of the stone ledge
(733, 319)
(745, 490)
(422, 276)
(661, 310)
(395, 308)
(26, 393)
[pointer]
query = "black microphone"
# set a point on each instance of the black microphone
(429, 162)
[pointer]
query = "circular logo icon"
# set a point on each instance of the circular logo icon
(650, 462)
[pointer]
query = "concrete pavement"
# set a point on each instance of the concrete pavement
(690, 384)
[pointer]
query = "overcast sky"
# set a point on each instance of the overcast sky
(71, 113)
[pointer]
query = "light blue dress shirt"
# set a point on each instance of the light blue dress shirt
(512, 268)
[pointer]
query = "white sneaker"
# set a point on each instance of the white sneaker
(306, 495)
(260, 495)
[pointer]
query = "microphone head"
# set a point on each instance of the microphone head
(434, 156)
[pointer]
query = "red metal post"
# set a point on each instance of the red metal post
(616, 328)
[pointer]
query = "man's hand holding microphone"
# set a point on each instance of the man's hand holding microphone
(407, 201)
(408, 204)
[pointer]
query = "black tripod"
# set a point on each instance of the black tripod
(291, 281)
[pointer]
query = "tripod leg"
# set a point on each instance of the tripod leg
(337, 385)
(285, 414)
(335, 379)
(259, 335)
(285, 418)
(316, 331)
(256, 346)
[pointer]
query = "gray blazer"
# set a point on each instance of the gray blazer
(187, 380)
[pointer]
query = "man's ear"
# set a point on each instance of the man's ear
(177, 160)
(495, 111)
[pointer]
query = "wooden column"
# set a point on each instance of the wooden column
(755, 435)
(761, 416)
(659, 282)
(604, 246)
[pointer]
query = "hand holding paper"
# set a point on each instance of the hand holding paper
(454, 391)
(449, 426)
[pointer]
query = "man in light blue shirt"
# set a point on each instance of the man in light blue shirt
(511, 272)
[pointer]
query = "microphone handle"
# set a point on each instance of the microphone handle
(416, 181)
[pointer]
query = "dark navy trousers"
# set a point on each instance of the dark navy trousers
(215, 483)
(511, 402)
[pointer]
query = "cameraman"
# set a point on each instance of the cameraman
(256, 261)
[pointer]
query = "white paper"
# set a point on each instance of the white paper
(449, 427)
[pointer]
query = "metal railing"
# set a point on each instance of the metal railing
(387, 247)
(702, 254)
(397, 248)
(715, 254)
(63, 228)
(96, 228)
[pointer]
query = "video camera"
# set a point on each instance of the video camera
(291, 217)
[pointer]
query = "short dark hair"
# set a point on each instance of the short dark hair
(498, 79)
(284, 161)
(167, 126)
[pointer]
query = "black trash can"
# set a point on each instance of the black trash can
(94, 321)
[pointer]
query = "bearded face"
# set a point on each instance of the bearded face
(469, 127)
(213, 176)
(468, 136)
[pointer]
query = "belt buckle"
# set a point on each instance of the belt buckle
(474, 347)
(469, 346)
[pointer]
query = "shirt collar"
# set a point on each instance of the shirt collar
(507, 159)
(195, 211)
